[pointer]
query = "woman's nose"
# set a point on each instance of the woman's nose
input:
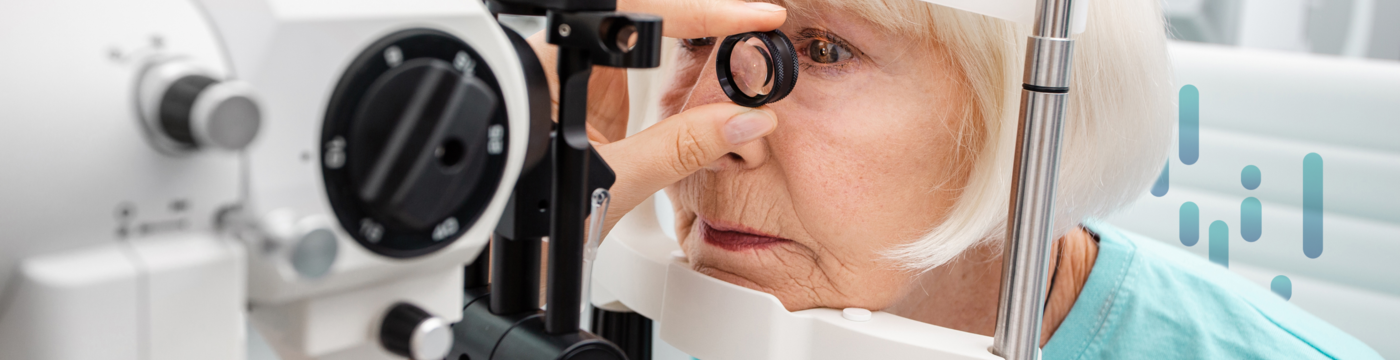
(707, 91)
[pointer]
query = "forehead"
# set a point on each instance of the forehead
(896, 16)
(887, 47)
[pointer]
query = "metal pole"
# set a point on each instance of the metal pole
(1030, 218)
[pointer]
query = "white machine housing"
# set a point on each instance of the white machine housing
(295, 52)
(117, 247)
(109, 249)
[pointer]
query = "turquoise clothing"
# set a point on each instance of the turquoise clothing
(1148, 300)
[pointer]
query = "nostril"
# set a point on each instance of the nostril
(735, 157)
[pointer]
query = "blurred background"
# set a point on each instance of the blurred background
(1286, 164)
(1348, 28)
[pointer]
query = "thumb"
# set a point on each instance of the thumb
(676, 147)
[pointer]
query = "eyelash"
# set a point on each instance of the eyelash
(705, 43)
(803, 42)
(806, 37)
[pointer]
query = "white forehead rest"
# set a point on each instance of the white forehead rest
(1019, 11)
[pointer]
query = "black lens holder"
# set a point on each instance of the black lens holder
(782, 63)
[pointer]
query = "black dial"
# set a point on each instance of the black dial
(414, 143)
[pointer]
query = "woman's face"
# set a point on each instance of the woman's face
(865, 157)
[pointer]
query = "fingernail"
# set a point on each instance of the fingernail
(748, 126)
(765, 6)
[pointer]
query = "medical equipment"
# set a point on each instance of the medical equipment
(757, 68)
(146, 221)
(341, 229)
(503, 321)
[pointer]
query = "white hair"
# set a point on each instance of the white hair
(1116, 134)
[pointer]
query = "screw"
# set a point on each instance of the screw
(464, 63)
(564, 30)
(393, 55)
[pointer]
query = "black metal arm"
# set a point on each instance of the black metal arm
(503, 322)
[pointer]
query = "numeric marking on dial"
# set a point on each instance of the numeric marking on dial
(464, 63)
(393, 56)
(446, 229)
(335, 153)
(371, 230)
(495, 139)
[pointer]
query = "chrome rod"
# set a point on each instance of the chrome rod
(598, 211)
(1031, 215)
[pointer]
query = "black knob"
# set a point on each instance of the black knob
(411, 332)
(420, 142)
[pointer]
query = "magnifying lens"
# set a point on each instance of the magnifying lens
(757, 68)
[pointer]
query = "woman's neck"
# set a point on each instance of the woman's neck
(964, 293)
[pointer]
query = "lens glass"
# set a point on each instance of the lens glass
(752, 66)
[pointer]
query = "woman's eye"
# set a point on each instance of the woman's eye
(698, 42)
(826, 52)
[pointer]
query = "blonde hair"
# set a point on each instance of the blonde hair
(1116, 133)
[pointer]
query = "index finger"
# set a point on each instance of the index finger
(688, 19)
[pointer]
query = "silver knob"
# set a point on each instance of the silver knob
(225, 116)
(412, 332)
(185, 108)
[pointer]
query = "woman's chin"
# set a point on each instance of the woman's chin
(728, 277)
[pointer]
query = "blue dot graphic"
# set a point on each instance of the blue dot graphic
(1190, 219)
(1251, 219)
(1282, 286)
(1189, 124)
(1220, 243)
(1249, 177)
(1312, 205)
(1163, 181)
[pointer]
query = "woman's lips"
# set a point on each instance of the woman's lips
(736, 238)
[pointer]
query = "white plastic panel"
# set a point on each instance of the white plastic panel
(78, 169)
(75, 305)
(195, 297)
(711, 319)
(1018, 11)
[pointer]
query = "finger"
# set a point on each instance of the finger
(683, 144)
(687, 19)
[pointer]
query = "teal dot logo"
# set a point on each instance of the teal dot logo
(1251, 219)
(1163, 181)
(1282, 286)
(1312, 205)
(1220, 243)
(1249, 177)
(1190, 219)
(1189, 124)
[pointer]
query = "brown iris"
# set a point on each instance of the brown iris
(826, 52)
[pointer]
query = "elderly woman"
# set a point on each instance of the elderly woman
(881, 181)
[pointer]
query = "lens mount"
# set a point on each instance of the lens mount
(781, 63)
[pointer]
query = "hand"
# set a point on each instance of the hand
(682, 144)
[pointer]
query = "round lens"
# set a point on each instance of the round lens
(752, 67)
(756, 68)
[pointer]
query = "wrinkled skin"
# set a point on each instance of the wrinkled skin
(869, 151)
(866, 156)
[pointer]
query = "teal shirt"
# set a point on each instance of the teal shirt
(1146, 299)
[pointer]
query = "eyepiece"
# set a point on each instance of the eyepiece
(757, 68)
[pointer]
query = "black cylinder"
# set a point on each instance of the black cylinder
(630, 331)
